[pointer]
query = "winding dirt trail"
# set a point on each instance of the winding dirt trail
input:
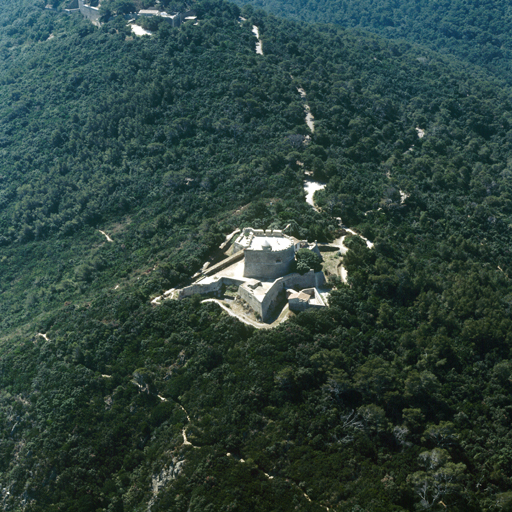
(242, 461)
(259, 44)
(310, 187)
(106, 236)
(186, 442)
(340, 242)
(310, 120)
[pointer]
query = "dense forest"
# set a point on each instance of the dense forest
(474, 31)
(395, 397)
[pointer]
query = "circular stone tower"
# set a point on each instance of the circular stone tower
(267, 254)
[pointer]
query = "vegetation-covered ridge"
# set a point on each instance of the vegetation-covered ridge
(396, 397)
(476, 31)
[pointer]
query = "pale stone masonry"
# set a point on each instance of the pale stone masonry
(93, 13)
(305, 299)
(263, 299)
(268, 254)
(260, 267)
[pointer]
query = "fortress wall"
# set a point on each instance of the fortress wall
(211, 287)
(247, 295)
(184, 15)
(298, 305)
(310, 279)
(228, 281)
(328, 248)
(201, 289)
(270, 299)
(262, 264)
(314, 248)
(91, 13)
(301, 305)
(319, 299)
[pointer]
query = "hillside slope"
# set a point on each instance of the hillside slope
(474, 31)
(395, 397)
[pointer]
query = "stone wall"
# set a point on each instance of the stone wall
(208, 286)
(265, 307)
(247, 295)
(91, 13)
(310, 279)
(201, 288)
(315, 301)
(271, 297)
(268, 265)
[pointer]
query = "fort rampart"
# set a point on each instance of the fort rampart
(264, 305)
(208, 286)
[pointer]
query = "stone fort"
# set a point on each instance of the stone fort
(261, 267)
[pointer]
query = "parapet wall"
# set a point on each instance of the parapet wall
(244, 239)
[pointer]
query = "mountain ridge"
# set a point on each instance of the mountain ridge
(395, 397)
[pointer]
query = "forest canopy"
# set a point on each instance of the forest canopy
(395, 397)
(474, 31)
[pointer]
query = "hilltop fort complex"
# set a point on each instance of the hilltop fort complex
(93, 13)
(261, 266)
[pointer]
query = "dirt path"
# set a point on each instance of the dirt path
(368, 243)
(310, 120)
(184, 429)
(139, 31)
(259, 44)
(242, 461)
(340, 242)
(403, 195)
(106, 236)
(228, 239)
(186, 442)
(310, 187)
